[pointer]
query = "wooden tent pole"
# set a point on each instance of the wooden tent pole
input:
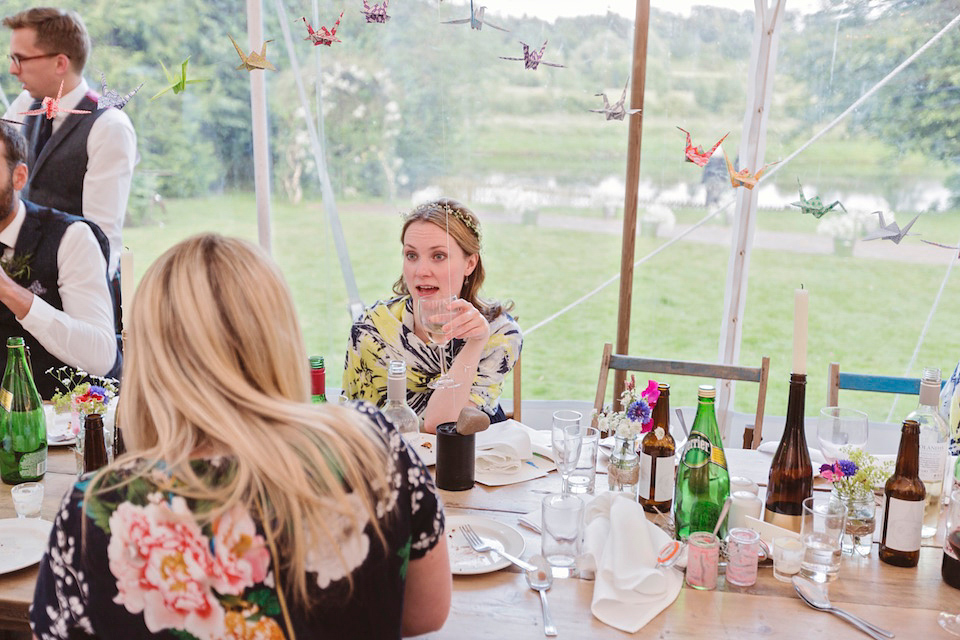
(629, 240)
(763, 62)
(261, 136)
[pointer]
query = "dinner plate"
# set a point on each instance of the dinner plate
(425, 444)
(58, 433)
(22, 542)
(465, 561)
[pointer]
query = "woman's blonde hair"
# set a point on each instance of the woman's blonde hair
(463, 226)
(215, 365)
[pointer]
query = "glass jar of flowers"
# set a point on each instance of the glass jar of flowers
(82, 395)
(623, 471)
(854, 480)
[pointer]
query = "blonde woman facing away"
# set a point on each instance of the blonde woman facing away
(441, 258)
(240, 510)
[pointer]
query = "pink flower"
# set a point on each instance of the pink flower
(163, 566)
(241, 557)
(651, 393)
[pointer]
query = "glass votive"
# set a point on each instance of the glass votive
(739, 483)
(703, 560)
(787, 557)
(743, 552)
(27, 499)
(742, 504)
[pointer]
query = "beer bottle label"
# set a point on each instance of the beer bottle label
(903, 524)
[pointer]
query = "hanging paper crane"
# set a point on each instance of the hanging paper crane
(743, 178)
(476, 19)
(253, 60)
(322, 36)
(178, 83)
(377, 13)
(111, 97)
(892, 231)
(697, 155)
(814, 206)
(616, 111)
(532, 58)
(50, 107)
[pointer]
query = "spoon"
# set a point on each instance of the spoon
(815, 596)
(540, 580)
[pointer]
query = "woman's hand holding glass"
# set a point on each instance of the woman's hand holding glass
(466, 322)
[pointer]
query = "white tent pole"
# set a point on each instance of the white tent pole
(261, 136)
(752, 148)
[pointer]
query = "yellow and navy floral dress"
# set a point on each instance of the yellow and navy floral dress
(135, 561)
(385, 333)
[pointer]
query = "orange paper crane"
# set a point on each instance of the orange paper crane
(697, 155)
(743, 178)
(322, 35)
(253, 60)
(51, 107)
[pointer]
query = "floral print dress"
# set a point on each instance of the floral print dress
(147, 569)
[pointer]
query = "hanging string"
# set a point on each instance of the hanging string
(923, 332)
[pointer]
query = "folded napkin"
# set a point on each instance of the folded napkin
(816, 456)
(502, 448)
(630, 590)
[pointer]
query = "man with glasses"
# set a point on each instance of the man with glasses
(80, 164)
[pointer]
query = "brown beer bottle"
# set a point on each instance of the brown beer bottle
(94, 447)
(904, 496)
(657, 468)
(791, 474)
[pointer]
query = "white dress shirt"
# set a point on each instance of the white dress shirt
(82, 335)
(111, 156)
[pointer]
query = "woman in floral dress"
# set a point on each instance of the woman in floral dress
(441, 257)
(240, 510)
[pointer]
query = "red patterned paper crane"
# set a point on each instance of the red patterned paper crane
(51, 107)
(532, 58)
(743, 178)
(322, 35)
(377, 13)
(697, 155)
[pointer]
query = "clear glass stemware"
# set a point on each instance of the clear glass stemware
(839, 430)
(433, 313)
(567, 439)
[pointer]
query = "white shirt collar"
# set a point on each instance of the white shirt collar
(12, 231)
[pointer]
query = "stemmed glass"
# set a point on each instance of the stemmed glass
(567, 437)
(839, 430)
(951, 560)
(434, 312)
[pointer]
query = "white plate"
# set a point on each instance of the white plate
(22, 542)
(425, 444)
(58, 433)
(465, 561)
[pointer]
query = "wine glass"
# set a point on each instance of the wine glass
(434, 312)
(567, 438)
(951, 560)
(839, 430)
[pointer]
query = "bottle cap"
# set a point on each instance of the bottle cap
(15, 341)
(316, 362)
(397, 369)
(706, 391)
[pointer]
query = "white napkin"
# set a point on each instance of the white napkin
(629, 590)
(502, 448)
(816, 456)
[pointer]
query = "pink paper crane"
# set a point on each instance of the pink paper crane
(322, 35)
(532, 58)
(697, 155)
(51, 107)
(377, 13)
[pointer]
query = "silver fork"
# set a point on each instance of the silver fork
(480, 546)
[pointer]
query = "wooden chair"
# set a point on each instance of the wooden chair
(514, 414)
(610, 360)
(866, 382)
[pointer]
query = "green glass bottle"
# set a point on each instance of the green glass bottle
(703, 482)
(318, 380)
(23, 429)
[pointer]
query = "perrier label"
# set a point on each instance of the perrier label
(703, 482)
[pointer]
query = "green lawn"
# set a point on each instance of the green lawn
(865, 314)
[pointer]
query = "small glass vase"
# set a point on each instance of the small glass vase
(623, 471)
(861, 522)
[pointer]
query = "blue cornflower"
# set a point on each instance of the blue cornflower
(639, 411)
(847, 467)
(100, 391)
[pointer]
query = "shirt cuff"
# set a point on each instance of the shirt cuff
(39, 318)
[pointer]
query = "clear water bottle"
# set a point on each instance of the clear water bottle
(934, 441)
(397, 410)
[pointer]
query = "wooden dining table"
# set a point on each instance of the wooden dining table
(501, 606)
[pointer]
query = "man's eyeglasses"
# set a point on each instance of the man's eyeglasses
(19, 60)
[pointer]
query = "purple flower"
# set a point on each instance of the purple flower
(100, 391)
(639, 411)
(847, 467)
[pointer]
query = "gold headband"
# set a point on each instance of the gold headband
(456, 213)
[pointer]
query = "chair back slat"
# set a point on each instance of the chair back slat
(685, 368)
(880, 384)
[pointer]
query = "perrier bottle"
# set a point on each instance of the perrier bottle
(703, 482)
(23, 429)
